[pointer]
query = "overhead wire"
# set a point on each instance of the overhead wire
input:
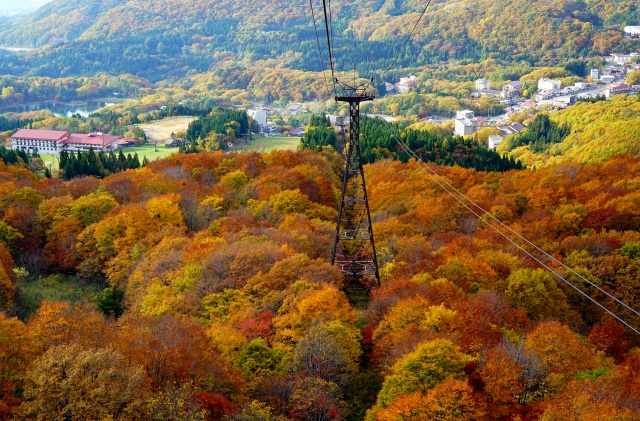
(315, 27)
(521, 237)
(330, 23)
(326, 23)
(432, 174)
(406, 41)
(447, 187)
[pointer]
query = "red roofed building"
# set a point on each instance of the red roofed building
(45, 141)
(55, 141)
(616, 88)
(98, 141)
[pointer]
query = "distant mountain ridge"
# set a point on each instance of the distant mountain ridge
(13, 7)
(187, 34)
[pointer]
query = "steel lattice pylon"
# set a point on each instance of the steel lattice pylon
(354, 250)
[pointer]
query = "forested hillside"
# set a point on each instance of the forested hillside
(378, 141)
(126, 36)
(199, 287)
(585, 133)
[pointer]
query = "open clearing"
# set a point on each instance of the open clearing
(259, 143)
(147, 150)
(161, 130)
(267, 144)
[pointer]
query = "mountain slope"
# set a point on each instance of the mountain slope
(185, 34)
(597, 132)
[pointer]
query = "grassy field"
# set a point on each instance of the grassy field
(267, 144)
(147, 150)
(259, 143)
(161, 130)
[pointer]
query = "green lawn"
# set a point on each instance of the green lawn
(267, 144)
(148, 150)
(259, 143)
(142, 151)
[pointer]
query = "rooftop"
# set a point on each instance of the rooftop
(34, 134)
(514, 128)
(92, 139)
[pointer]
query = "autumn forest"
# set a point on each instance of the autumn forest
(196, 284)
(209, 293)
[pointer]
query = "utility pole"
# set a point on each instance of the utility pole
(354, 250)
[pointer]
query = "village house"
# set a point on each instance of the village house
(293, 109)
(259, 116)
(511, 129)
(545, 84)
(632, 31)
(297, 132)
(486, 93)
(56, 141)
(617, 88)
(564, 101)
(622, 59)
(174, 143)
(483, 84)
(607, 78)
(126, 142)
(465, 123)
(494, 140)
(511, 90)
(269, 128)
(405, 84)
(402, 86)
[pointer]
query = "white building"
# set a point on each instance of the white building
(405, 84)
(623, 59)
(483, 84)
(617, 88)
(633, 31)
(56, 141)
(269, 128)
(259, 116)
(45, 141)
(595, 74)
(494, 140)
(465, 123)
(293, 109)
(389, 87)
(511, 90)
(608, 78)
(548, 84)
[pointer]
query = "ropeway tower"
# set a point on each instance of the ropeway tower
(354, 250)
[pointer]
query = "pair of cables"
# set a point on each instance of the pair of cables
(460, 197)
(488, 218)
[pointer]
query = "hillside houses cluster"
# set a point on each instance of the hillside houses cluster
(508, 91)
(403, 86)
(549, 89)
(269, 128)
(466, 123)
